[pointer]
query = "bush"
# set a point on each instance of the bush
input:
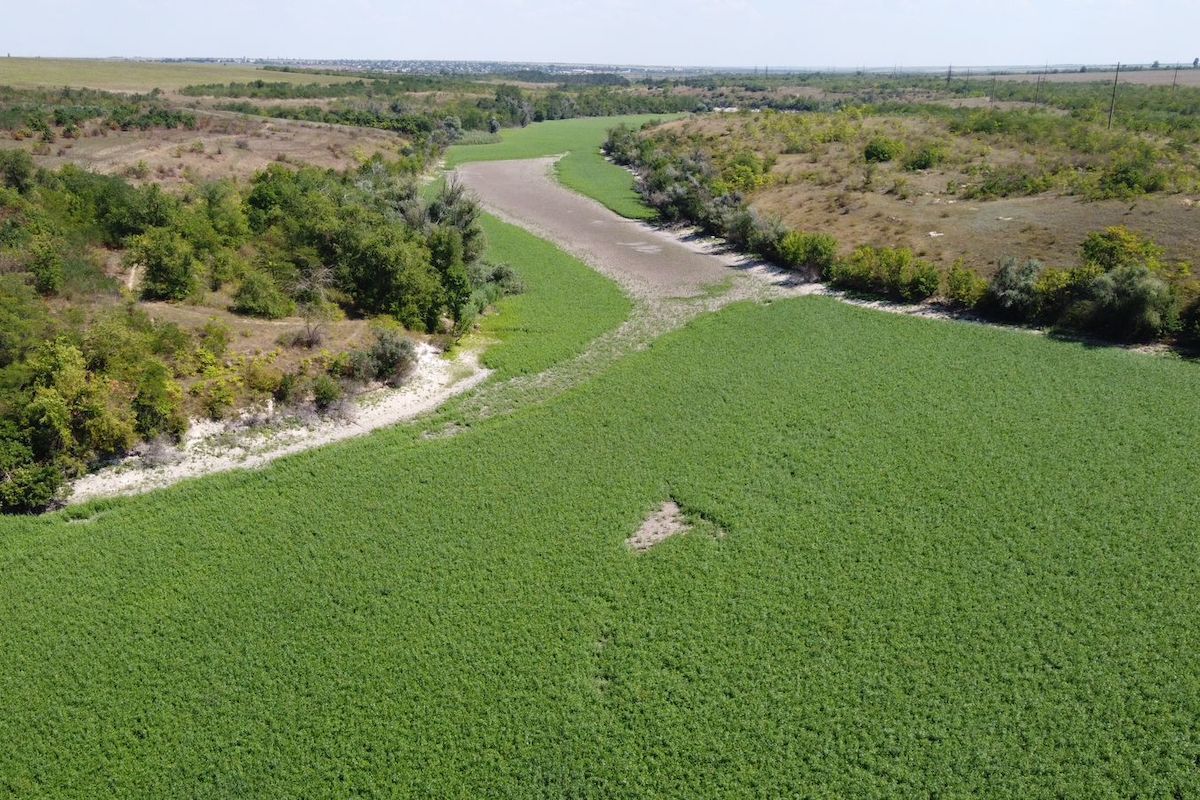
(894, 273)
(326, 392)
(964, 287)
(812, 251)
(30, 489)
(394, 357)
(16, 170)
(158, 404)
(1118, 246)
(46, 265)
(1189, 329)
(926, 157)
(1058, 289)
(1012, 293)
(169, 263)
(1128, 304)
(880, 150)
(258, 296)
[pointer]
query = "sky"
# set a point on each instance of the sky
(816, 33)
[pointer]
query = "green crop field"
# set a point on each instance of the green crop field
(583, 169)
(979, 585)
(565, 305)
(136, 76)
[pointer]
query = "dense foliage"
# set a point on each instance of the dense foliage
(462, 107)
(84, 375)
(951, 561)
(30, 113)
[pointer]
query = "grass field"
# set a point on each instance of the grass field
(565, 304)
(979, 585)
(583, 169)
(136, 76)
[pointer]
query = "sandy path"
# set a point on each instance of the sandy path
(219, 447)
(647, 262)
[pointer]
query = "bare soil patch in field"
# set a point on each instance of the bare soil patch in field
(664, 523)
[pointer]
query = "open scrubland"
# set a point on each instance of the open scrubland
(695, 535)
(1028, 210)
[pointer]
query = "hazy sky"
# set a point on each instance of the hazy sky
(696, 32)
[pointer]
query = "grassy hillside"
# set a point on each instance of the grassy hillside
(977, 585)
(583, 169)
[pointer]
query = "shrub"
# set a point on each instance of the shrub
(1129, 303)
(1118, 246)
(16, 170)
(1189, 329)
(169, 263)
(30, 488)
(290, 391)
(261, 377)
(1058, 289)
(880, 150)
(258, 296)
(964, 287)
(893, 272)
(813, 251)
(1012, 293)
(46, 265)
(158, 404)
(926, 157)
(326, 392)
(394, 357)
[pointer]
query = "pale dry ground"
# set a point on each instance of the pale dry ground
(117, 75)
(1147, 77)
(664, 523)
(246, 443)
(223, 145)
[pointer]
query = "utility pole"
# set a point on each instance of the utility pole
(1175, 80)
(993, 100)
(1113, 106)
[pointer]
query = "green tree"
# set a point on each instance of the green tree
(168, 261)
(446, 255)
(16, 170)
(46, 264)
(158, 403)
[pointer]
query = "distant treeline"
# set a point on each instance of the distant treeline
(509, 106)
(571, 79)
(378, 87)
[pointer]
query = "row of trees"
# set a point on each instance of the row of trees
(509, 107)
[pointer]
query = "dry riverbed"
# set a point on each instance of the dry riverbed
(256, 439)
